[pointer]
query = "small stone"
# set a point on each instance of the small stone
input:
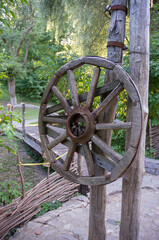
(38, 232)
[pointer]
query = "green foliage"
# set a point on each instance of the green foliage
(49, 206)
(150, 152)
(118, 141)
(7, 12)
(9, 190)
(7, 129)
(81, 24)
(154, 67)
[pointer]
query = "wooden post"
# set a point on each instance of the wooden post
(97, 229)
(23, 119)
(139, 71)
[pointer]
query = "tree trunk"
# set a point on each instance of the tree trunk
(11, 88)
(139, 71)
(97, 229)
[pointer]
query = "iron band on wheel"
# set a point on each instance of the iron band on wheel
(82, 122)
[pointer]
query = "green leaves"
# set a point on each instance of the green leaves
(9, 190)
(46, 207)
(7, 129)
(154, 67)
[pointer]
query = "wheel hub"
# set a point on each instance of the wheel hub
(80, 125)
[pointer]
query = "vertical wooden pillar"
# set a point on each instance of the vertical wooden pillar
(139, 71)
(97, 229)
(23, 119)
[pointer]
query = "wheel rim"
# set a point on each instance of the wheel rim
(82, 122)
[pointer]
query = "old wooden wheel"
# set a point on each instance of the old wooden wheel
(80, 123)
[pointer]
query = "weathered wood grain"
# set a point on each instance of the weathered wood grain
(121, 125)
(89, 159)
(52, 119)
(99, 62)
(129, 85)
(139, 15)
(136, 124)
(103, 162)
(93, 181)
(107, 100)
(69, 156)
(73, 88)
(92, 88)
(57, 140)
(99, 91)
(62, 100)
(115, 157)
(124, 164)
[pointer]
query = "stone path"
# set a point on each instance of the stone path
(70, 222)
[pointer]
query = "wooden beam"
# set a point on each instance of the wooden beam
(139, 22)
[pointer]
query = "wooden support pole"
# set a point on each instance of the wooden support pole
(97, 229)
(139, 71)
(23, 119)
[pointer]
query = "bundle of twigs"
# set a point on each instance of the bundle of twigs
(21, 210)
(155, 139)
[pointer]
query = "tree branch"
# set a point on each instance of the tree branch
(24, 36)
(26, 51)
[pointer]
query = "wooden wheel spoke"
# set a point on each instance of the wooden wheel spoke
(120, 125)
(115, 157)
(73, 88)
(61, 98)
(92, 88)
(69, 156)
(57, 140)
(89, 159)
(107, 100)
(54, 120)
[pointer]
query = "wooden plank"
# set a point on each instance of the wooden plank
(61, 98)
(99, 91)
(99, 62)
(107, 100)
(73, 88)
(93, 181)
(52, 119)
(115, 157)
(89, 159)
(121, 125)
(57, 140)
(103, 162)
(92, 88)
(69, 156)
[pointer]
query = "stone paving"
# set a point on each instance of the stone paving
(70, 222)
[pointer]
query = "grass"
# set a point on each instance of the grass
(30, 113)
